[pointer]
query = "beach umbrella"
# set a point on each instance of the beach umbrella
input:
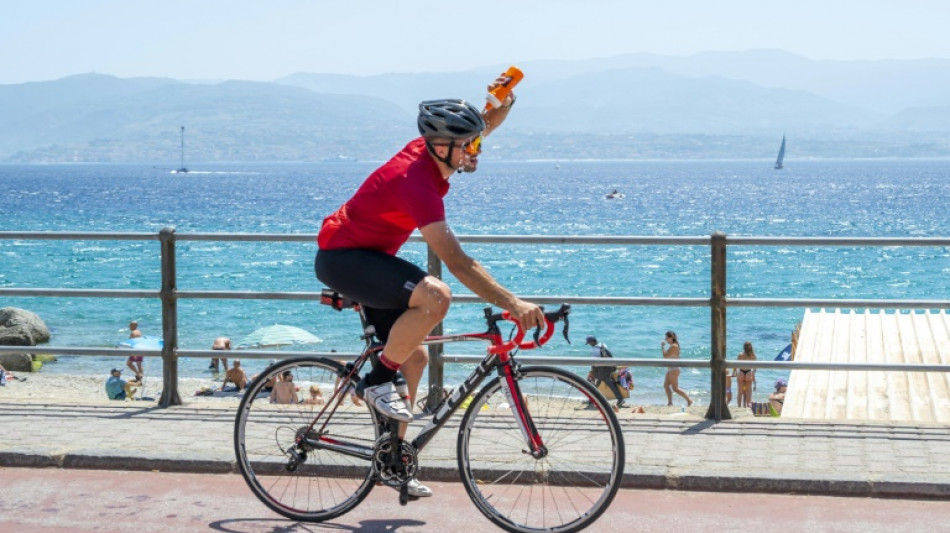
(277, 335)
(142, 343)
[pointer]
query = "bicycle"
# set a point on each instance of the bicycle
(529, 456)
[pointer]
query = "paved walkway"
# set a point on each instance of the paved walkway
(747, 455)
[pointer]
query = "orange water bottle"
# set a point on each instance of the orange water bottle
(498, 94)
(495, 98)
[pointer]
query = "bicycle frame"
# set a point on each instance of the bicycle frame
(503, 363)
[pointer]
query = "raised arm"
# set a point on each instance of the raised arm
(496, 115)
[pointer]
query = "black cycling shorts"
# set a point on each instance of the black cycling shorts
(380, 282)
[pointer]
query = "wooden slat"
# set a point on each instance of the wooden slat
(856, 402)
(817, 400)
(795, 396)
(935, 351)
(836, 399)
(897, 386)
(918, 395)
(877, 394)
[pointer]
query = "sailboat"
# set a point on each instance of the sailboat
(181, 167)
(781, 155)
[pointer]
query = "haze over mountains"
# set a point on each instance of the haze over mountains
(713, 104)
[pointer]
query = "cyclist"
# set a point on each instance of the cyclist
(358, 245)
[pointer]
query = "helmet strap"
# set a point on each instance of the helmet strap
(448, 157)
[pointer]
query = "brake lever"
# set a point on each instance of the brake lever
(567, 326)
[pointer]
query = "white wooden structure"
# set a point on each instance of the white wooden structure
(871, 337)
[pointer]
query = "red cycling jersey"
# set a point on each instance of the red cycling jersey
(402, 195)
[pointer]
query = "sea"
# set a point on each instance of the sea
(840, 198)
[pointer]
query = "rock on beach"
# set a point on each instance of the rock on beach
(19, 327)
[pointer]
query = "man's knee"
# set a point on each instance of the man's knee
(420, 357)
(432, 295)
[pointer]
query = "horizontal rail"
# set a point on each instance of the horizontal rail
(84, 293)
(502, 239)
(838, 241)
(580, 239)
(78, 236)
(700, 363)
(475, 359)
(246, 295)
(72, 350)
(248, 237)
(842, 303)
(470, 298)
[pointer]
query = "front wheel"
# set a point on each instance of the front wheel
(306, 455)
(569, 486)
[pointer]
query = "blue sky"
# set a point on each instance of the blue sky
(264, 40)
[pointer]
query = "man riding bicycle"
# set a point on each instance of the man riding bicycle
(358, 243)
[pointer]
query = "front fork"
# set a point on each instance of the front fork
(510, 375)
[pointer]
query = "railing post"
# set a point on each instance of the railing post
(170, 394)
(436, 361)
(718, 407)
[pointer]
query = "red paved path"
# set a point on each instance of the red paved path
(51, 499)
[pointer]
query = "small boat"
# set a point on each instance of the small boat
(615, 195)
(181, 168)
(781, 155)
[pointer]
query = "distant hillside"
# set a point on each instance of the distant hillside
(100, 118)
(710, 105)
(921, 119)
(882, 87)
(629, 100)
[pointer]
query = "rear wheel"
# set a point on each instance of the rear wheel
(569, 487)
(304, 465)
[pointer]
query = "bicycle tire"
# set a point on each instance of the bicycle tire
(569, 488)
(325, 484)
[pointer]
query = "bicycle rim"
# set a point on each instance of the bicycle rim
(325, 484)
(564, 491)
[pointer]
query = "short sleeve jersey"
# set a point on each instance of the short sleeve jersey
(402, 195)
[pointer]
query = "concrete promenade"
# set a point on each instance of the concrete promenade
(747, 455)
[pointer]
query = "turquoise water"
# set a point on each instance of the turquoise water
(815, 198)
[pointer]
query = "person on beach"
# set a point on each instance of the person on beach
(120, 389)
(6, 374)
(604, 374)
(285, 391)
(777, 398)
(358, 245)
(728, 386)
(221, 343)
(235, 375)
(745, 377)
(134, 362)
(671, 383)
(316, 396)
(271, 381)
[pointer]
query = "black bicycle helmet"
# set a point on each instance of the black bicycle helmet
(449, 118)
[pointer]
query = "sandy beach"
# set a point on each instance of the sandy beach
(90, 390)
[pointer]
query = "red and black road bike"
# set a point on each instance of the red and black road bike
(531, 453)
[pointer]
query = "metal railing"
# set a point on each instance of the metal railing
(717, 302)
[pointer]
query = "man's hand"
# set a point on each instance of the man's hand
(501, 80)
(527, 314)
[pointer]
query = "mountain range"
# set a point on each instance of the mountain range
(713, 104)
